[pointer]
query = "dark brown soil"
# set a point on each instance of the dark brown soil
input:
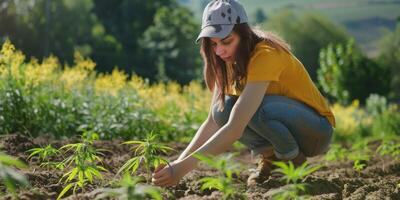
(336, 180)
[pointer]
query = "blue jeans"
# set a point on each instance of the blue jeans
(283, 124)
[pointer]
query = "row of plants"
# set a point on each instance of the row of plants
(82, 165)
(48, 98)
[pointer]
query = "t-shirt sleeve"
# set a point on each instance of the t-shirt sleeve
(266, 65)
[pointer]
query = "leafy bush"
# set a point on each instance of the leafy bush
(47, 98)
(390, 57)
(388, 123)
(345, 74)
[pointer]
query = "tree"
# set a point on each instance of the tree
(126, 20)
(307, 33)
(171, 42)
(58, 27)
(345, 74)
(390, 57)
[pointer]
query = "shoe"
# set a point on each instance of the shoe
(263, 171)
(265, 167)
(298, 160)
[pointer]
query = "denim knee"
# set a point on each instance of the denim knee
(222, 117)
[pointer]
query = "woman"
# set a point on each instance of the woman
(262, 97)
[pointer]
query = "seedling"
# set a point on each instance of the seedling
(147, 152)
(11, 178)
(223, 184)
(292, 176)
(358, 165)
(360, 154)
(82, 162)
(44, 154)
(129, 189)
(389, 147)
(336, 153)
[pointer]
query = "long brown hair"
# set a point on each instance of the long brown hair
(215, 69)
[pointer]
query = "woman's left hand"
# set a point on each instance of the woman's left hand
(169, 175)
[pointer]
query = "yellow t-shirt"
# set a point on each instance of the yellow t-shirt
(288, 78)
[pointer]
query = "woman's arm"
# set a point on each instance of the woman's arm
(206, 130)
(244, 109)
(241, 113)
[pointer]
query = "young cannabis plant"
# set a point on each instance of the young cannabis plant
(44, 154)
(389, 147)
(224, 183)
(360, 154)
(336, 153)
(129, 189)
(292, 176)
(82, 163)
(11, 178)
(147, 152)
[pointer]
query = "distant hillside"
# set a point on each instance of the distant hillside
(366, 20)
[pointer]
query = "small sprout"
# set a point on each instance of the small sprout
(224, 183)
(360, 154)
(44, 154)
(130, 189)
(358, 165)
(292, 176)
(389, 147)
(147, 152)
(11, 178)
(336, 153)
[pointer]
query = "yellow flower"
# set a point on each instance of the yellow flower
(39, 73)
(111, 84)
(11, 61)
(77, 76)
(349, 118)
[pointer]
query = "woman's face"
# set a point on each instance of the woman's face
(226, 48)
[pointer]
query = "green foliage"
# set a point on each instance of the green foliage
(44, 154)
(107, 31)
(388, 122)
(390, 57)
(9, 176)
(389, 146)
(129, 189)
(170, 42)
(34, 104)
(345, 74)
(39, 28)
(224, 183)
(292, 176)
(359, 153)
(307, 33)
(82, 164)
(147, 152)
(376, 105)
(359, 165)
(336, 153)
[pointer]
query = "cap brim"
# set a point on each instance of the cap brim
(218, 31)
